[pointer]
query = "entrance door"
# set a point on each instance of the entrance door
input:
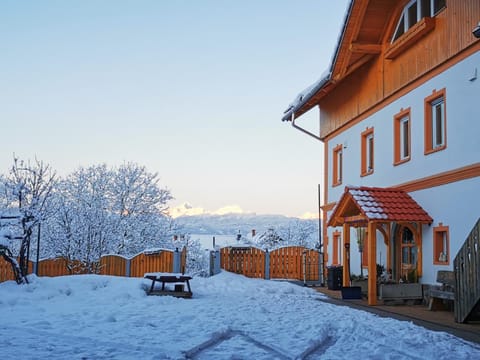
(408, 253)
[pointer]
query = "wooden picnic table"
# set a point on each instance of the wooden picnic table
(178, 280)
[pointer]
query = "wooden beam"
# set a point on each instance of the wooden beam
(354, 66)
(346, 255)
(355, 219)
(365, 48)
(372, 263)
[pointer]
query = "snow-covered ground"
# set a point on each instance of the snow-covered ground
(229, 317)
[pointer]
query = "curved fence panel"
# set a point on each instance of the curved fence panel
(113, 265)
(161, 261)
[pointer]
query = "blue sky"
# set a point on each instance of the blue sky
(193, 90)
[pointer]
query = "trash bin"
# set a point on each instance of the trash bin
(334, 277)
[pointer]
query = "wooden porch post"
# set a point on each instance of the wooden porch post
(419, 243)
(346, 254)
(372, 263)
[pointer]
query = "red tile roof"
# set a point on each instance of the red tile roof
(374, 203)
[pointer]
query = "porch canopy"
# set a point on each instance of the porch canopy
(376, 209)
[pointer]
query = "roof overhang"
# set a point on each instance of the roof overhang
(360, 40)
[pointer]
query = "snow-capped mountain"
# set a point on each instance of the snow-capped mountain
(231, 224)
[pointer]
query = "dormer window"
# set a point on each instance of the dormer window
(415, 11)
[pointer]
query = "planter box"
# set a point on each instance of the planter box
(363, 284)
(351, 292)
(400, 291)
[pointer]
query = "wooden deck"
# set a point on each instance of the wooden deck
(418, 314)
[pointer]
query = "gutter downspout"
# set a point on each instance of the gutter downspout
(320, 242)
(303, 130)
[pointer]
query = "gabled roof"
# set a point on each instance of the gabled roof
(363, 204)
(361, 38)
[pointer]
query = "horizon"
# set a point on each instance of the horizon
(192, 91)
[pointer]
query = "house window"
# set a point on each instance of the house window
(414, 11)
(337, 165)
(435, 122)
(336, 243)
(441, 245)
(367, 152)
(401, 136)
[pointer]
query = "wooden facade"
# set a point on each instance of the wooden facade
(378, 79)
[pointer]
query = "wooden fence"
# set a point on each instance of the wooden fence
(293, 262)
(248, 261)
(159, 261)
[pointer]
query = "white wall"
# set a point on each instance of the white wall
(455, 205)
(463, 127)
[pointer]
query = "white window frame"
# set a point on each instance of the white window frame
(438, 121)
(339, 155)
(404, 137)
(369, 148)
(405, 16)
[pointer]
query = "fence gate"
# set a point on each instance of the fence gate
(295, 262)
(312, 266)
(248, 261)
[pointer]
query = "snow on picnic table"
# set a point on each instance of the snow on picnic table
(229, 317)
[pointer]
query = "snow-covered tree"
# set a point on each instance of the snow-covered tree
(197, 262)
(101, 210)
(299, 232)
(28, 187)
(270, 239)
(139, 207)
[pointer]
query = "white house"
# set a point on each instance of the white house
(400, 124)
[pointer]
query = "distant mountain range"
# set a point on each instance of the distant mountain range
(231, 224)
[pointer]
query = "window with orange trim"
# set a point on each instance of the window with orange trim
(337, 165)
(336, 243)
(441, 245)
(401, 137)
(367, 152)
(435, 122)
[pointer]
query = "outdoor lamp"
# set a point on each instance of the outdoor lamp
(476, 31)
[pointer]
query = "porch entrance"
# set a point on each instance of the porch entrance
(382, 209)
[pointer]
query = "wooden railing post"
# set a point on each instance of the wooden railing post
(128, 267)
(267, 265)
(177, 261)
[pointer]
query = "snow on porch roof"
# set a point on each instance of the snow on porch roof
(362, 204)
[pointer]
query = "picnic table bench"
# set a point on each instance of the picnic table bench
(178, 280)
(446, 292)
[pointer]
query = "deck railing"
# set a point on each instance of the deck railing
(467, 278)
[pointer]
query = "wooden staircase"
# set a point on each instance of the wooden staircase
(467, 276)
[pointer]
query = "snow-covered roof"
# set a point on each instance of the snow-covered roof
(304, 96)
(373, 203)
